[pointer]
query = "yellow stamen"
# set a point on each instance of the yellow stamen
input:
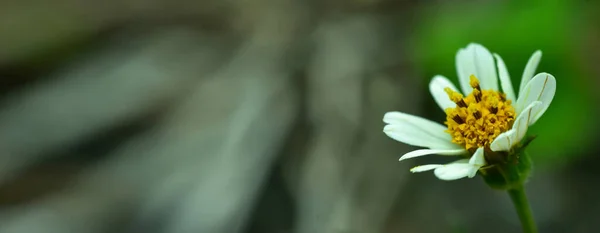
(479, 117)
(474, 82)
(455, 97)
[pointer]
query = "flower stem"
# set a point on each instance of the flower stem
(519, 199)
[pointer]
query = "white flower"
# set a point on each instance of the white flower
(487, 119)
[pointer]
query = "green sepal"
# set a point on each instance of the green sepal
(509, 172)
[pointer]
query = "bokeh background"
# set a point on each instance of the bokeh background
(264, 116)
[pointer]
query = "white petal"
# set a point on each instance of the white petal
(436, 87)
(530, 68)
(423, 152)
(453, 171)
(478, 157)
(477, 160)
(424, 168)
(504, 141)
(505, 82)
(508, 139)
(417, 131)
(476, 60)
(524, 120)
(541, 88)
(462, 61)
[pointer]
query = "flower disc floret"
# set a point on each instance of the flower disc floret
(479, 117)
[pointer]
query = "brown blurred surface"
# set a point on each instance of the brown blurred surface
(239, 116)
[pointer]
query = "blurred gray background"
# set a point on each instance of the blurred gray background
(264, 116)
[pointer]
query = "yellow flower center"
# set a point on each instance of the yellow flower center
(478, 118)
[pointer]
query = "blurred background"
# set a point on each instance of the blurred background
(264, 116)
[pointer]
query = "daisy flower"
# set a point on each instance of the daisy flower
(484, 123)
